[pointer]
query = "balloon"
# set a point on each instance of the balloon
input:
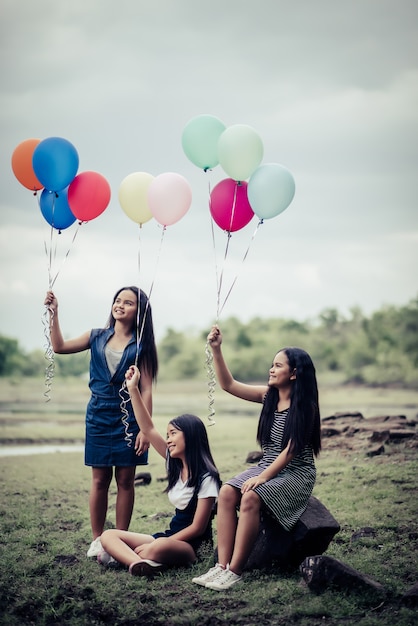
(270, 190)
(22, 164)
(240, 151)
(55, 163)
(229, 205)
(169, 198)
(88, 195)
(133, 196)
(55, 209)
(200, 140)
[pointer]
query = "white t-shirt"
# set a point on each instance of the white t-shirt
(180, 495)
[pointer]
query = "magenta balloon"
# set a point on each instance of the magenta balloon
(229, 205)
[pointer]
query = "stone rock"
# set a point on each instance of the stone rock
(321, 572)
(353, 432)
(376, 451)
(367, 532)
(312, 534)
(143, 478)
(254, 457)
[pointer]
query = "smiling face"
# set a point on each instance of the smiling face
(176, 443)
(125, 306)
(280, 373)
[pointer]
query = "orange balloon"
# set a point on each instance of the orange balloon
(22, 164)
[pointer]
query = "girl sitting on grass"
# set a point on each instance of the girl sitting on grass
(193, 487)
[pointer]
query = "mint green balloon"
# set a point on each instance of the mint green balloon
(270, 190)
(200, 140)
(240, 151)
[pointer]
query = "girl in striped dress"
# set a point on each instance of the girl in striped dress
(282, 482)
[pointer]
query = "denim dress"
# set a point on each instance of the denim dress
(111, 427)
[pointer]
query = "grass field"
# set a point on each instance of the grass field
(45, 578)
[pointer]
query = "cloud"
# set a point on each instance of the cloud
(332, 92)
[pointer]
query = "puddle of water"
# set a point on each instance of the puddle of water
(30, 450)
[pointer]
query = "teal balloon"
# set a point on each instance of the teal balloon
(270, 190)
(240, 151)
(200, 140)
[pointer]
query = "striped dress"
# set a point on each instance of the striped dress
(285, 497)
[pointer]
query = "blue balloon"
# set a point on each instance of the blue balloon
(55, 163)
(55, 209)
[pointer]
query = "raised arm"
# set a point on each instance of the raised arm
(59, 344)
(253, 393)
(142, 414)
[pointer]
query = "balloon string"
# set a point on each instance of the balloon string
(210, 372)
(66, 255)
(242, 262)
(211, 384)
(47, 321)
(124, 400)
(123, 391)
(140, 331)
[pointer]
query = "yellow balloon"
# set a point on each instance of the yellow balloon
(133, 196)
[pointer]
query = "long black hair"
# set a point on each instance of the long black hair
(303, 423)
(199, 457)
(143, 327)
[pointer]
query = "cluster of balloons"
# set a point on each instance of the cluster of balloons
(166, 197)
(52, 165)
(239, 150)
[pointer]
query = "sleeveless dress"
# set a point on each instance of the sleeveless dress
(206, 487)
(110, 442)
(284, 497)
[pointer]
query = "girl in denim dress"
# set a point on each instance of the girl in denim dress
(113, 438)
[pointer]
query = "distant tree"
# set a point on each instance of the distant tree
(11, 357)
(379, 350)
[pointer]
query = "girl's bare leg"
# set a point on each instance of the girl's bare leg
(246, 531)
(98, 499)
(121, 544)
(168, 551)
(226, 524)
(125, 480)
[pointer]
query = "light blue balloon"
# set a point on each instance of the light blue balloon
(55, 209)
(270, 190)
(55, 163)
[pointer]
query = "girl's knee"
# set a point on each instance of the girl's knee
(250, 501)
(125, 478)
(229, 495)
(107, 536)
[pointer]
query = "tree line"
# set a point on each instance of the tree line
(381, 349)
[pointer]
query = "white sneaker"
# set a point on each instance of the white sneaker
(213, 573)
(146, 567)
(223, 581)
(105, 559)
(95, 548)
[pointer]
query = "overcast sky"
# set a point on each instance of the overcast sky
(331, 88)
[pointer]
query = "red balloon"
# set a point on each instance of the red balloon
(229, 205)
(88, 195)
(22, 164)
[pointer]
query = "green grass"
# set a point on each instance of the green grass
(46, 579)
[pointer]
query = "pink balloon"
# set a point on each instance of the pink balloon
(229, 205)
(169, 198)
(88, 195)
